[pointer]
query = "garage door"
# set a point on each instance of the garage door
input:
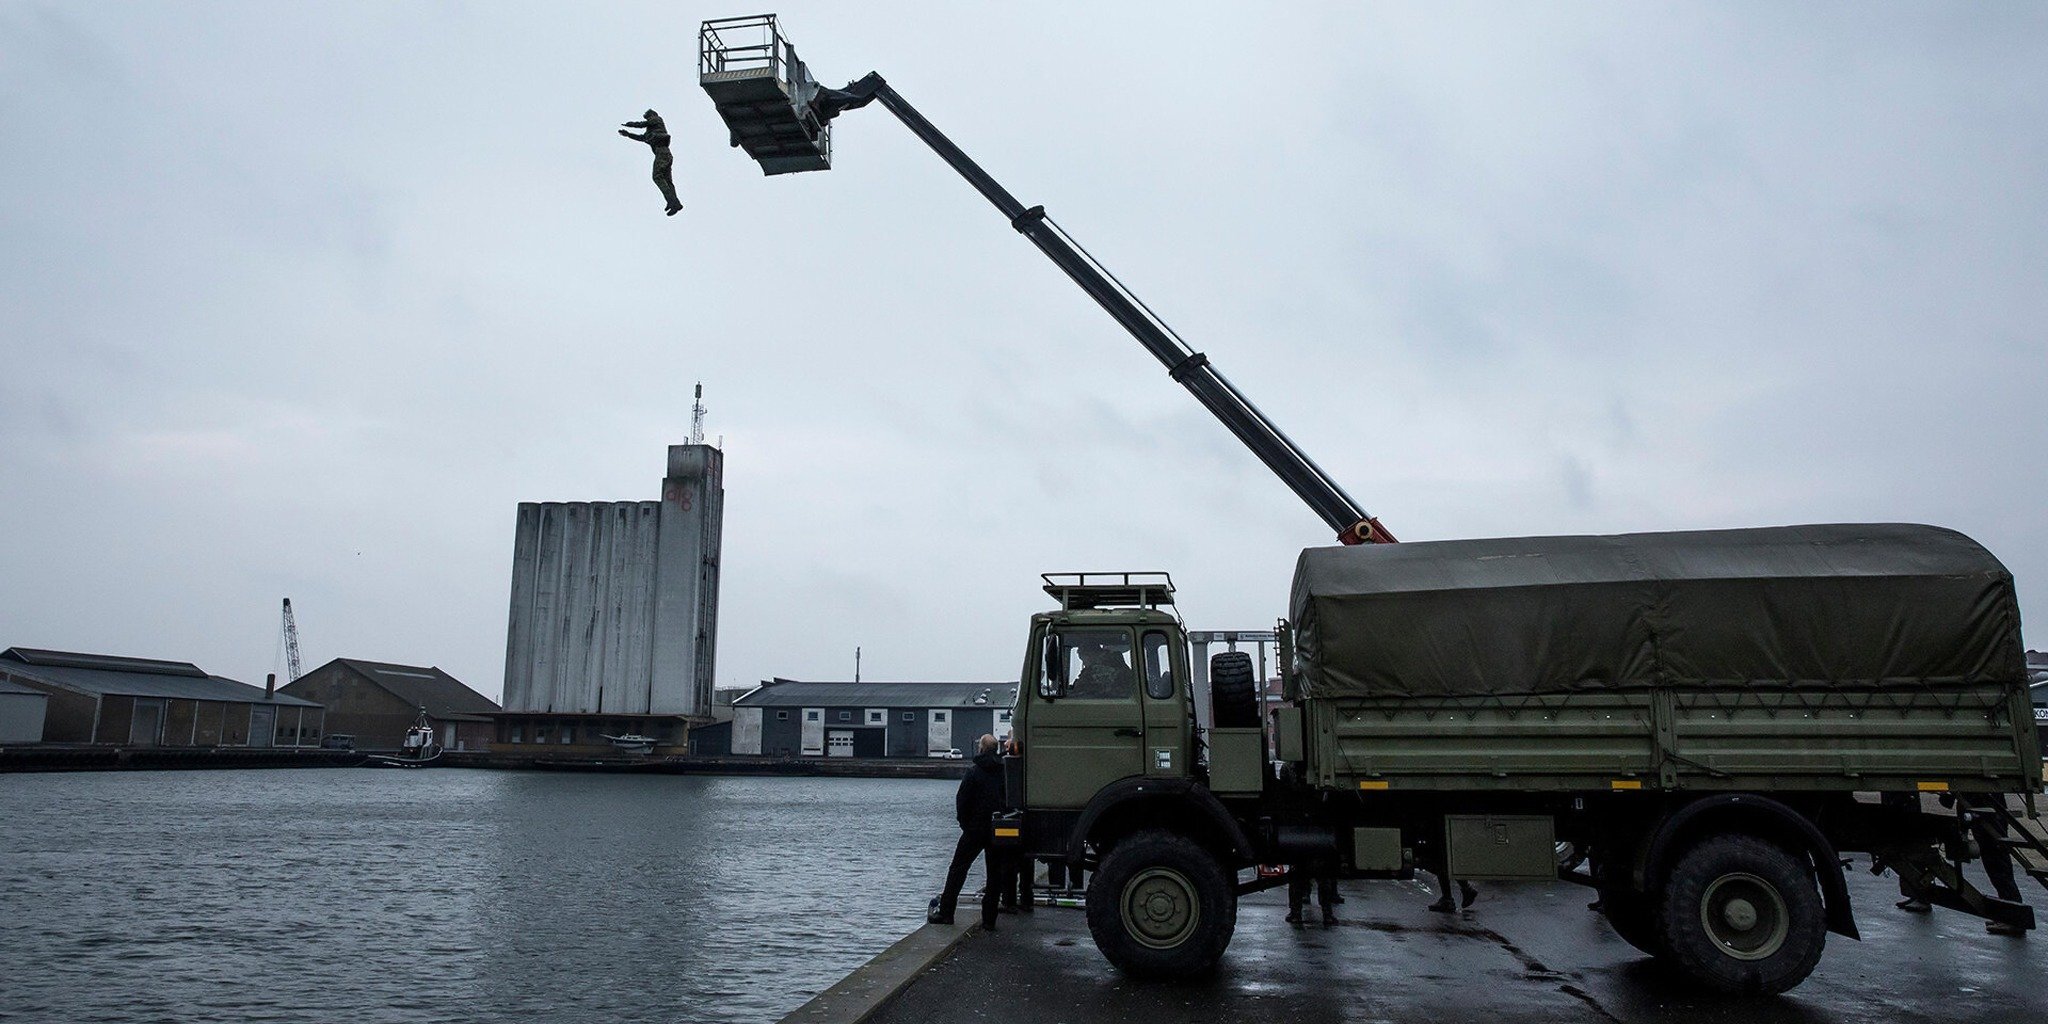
(839, 743)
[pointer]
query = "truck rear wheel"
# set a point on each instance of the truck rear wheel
(1233, 691)
(1743, 916)
(1161, 907)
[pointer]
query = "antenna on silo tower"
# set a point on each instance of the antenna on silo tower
(697, 417)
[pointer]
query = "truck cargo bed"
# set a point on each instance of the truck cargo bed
(1966, 740)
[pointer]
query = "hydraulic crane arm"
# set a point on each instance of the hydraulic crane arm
(1191, 368)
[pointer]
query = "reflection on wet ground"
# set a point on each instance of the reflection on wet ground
(1523, 953)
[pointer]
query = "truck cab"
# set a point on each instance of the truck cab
(1111, 760)
(1105, 699)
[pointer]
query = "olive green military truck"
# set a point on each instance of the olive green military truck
(1704, 721)
(1697, 725)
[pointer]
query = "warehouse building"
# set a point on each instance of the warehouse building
(614, 619)
(376, 702)
(141, 702)
(21, 714)
(794, 718)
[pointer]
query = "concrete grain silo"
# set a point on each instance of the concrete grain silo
(614, 621)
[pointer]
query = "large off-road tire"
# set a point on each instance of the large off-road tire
(1233, 691)
(1743, 916)
(1161, 907)
(1634, 917)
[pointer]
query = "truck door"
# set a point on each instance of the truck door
(1087, 724)
(1167, 751)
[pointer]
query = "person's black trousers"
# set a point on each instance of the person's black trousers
(970, 846)
(1057, 873)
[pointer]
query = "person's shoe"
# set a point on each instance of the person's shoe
(988, 924)
(1027, 906)
(1914, 905)
(1329, 917)
(1597, 906)
(1467, 895)
(1443, 906)
(673, 210)
(2001, 928)
(1294, 918)
(933, 915)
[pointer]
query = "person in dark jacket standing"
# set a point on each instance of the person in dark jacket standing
(979, 798)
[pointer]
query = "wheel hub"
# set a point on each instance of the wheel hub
(1745, 915)
(1740, 914)
(1160, 908)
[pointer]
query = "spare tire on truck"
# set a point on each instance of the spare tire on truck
(1233, 691)
(1742, 915)
(1161, 906)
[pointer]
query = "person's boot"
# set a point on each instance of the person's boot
(1444, 906)
(1294, 916)
(1914, 905)
(1466, 894)
(673, 210)
(1329, 915)
(2001, 928)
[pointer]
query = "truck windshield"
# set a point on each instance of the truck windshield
(1098, 664)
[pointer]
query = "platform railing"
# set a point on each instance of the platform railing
(742, 44)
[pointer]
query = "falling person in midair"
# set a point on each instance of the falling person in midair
(656, 137)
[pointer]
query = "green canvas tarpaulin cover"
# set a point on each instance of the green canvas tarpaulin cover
(1847, 606)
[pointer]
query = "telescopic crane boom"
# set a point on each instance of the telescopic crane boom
(791, 132)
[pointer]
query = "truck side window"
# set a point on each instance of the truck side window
(1099, 664)
(1158, 667)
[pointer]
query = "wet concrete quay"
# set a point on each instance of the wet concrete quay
(1522, 953)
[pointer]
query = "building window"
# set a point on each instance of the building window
(846, 716)
(910, 716)
(516, 738)
(782, 716)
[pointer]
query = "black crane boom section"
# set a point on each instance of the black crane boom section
(1191, 368)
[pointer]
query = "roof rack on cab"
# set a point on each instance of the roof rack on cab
(1076, 590)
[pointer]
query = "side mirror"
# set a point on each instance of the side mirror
(1052, 680)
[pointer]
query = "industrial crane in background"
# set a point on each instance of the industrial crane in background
(779, 114)
(291, 643)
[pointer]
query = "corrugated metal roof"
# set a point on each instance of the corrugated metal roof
(134, 677)
(108, 662)
(444, 696)
(801, 693)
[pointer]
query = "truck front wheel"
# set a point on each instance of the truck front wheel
(1742, 916)
(1161, 907)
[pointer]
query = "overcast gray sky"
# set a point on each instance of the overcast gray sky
(303, 299)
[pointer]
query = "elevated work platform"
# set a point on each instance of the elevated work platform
(764, 94)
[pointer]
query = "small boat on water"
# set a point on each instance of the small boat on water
(632, 743)
(418, 750)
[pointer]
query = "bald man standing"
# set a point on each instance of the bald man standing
(979, 798)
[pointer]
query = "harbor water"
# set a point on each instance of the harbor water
(361, 895)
